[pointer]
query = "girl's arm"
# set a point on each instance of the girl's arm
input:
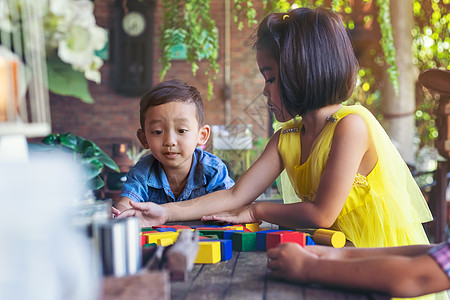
(249, 186)
(351, 153)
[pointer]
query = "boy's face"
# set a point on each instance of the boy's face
(172, 132)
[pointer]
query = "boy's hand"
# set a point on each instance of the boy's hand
(290, 261)
(243, 215)
(150, 214)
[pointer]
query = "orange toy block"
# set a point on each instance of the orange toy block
(208, 253)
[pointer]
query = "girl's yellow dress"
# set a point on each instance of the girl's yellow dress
(386, 208)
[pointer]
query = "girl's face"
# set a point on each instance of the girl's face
(269, 70)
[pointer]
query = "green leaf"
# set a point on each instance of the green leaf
(97, 183)
(63, 80)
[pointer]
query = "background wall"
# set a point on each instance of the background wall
(114, 117)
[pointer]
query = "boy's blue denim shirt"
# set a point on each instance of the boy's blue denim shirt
(147, 181)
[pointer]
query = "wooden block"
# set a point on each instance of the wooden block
(309, 240)
(253, 227)
(219, 233)
(228, 235)
(329, 237)
(153, 237)
(153, 285)
(234, 227)
(273, 239)
(208, 252)
(167, 241)
(146, 229)
(226, 248)
(166, 229)
(261, 239)
(144, 240)
(244, 241)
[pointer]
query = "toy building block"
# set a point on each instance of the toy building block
(166, 229)
(144, 240)
(167, 241)
(219, 233)
(273, 239)
(153, 237)
(234, 227)
(146, 229)
(208, 252)
(149, 245)
(244, 241)
(261, 239)
(329, 237)
(181, 255)
(226, 248)
(309, 240)
(253, 227)
(228, 235)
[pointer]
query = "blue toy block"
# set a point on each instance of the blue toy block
(228, 235)
(309, 241)
(261, 239)
(226, 248)
(166, 229)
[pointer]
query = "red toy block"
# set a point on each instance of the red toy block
(273, 239)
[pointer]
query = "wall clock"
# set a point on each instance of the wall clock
(133, 23)
(131, 47)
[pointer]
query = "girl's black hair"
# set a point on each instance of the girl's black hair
(171, 91)
(316, 61)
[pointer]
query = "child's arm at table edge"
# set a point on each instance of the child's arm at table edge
(249, 186)
(400, 276)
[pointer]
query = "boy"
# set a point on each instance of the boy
(171, 117)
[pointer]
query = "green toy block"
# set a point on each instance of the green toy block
(244, 241)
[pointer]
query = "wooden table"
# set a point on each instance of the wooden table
(246, 276)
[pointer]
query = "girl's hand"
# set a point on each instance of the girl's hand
(243, 215)
(149, 213)
(290, 261)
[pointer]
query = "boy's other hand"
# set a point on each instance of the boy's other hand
(150, 214)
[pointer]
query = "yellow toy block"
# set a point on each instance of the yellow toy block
(208, 253)
(329, 237)
(253, 227)
(233, 227)
(153, 237)
(165, 242)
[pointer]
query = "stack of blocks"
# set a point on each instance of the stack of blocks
(218, 242)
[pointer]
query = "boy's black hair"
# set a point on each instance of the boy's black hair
(171, 91)
(316, 61)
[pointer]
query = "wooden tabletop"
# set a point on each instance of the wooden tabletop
(246, 276)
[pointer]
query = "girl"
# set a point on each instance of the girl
(338, 158)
